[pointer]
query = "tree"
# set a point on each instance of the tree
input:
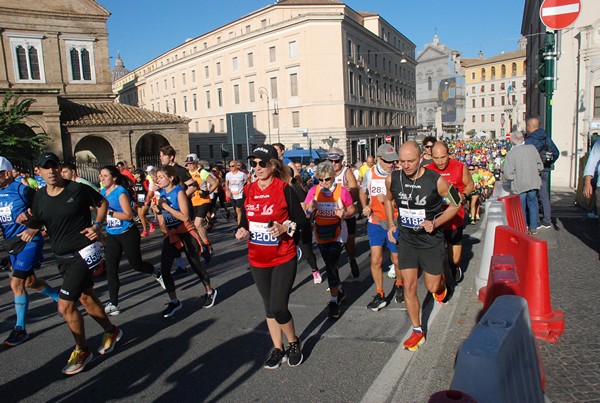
(17, 141)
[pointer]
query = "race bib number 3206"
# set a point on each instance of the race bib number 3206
(259, 234)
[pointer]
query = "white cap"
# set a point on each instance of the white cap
(5, 165)
(150, 168)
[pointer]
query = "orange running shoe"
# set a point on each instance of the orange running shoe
(414, 341)
(440, 297)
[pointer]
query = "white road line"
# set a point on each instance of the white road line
(559, 10)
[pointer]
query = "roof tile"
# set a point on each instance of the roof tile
(109, 114)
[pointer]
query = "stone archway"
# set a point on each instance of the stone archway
(148, 147)
(94, 149)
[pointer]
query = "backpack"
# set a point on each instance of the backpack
(546, 154)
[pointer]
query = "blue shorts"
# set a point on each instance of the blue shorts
(30, 258)
(378, 236)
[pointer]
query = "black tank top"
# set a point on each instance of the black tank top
(417, 201)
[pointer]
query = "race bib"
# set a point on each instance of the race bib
(113, 223)
(326, 209)
(378, 187)
(410, 218)
(141, 198)
(92, 254)
(169, 219)
(259, 234)
(6, 215)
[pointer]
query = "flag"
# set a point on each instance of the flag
(509, 88)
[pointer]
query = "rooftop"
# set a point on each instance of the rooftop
(109, 114)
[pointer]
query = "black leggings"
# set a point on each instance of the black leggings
(191, 248)
(331, 252)
(306, 248)
(128, 243)
(275, 286)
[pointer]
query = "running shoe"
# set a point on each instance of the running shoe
(109, 339)
(294, 353)
(5, 264)
(111, 309)
(341, 296)
(532, 232)
(399, 294)
(440, 297)
(209, 299)
(144, 234)
(211, 250)
(414, 341)
(298, 252)
(545, 225)
(378, 303)
(77, 361)
(334, 310)
(16, 337)
(275, 359)
(317, 277)
(472, 222)
(354, 268)
(391, 272)
(172, 308)
(458, 275)
(179, 271)
(158, 276)
(153, 226)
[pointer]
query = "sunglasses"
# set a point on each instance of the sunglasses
(326, 179)
(232, 166)
(262, 164)
(387, 162)
(428, 146)
(336, 161)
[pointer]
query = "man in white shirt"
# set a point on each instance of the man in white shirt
(235, 180)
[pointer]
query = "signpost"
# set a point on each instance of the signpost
(559, 14)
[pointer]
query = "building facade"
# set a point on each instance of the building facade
(57, 53)
(576, 100)
(307, 73)
(440, 89)
(496, 102)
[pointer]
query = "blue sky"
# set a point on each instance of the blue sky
(144, 29)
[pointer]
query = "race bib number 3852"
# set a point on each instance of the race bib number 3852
(259, 234)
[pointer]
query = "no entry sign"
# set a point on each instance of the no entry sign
(559, 14)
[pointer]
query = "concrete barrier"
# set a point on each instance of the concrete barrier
(494, 216)
(498, 362)
(514, 212)
(501, 189)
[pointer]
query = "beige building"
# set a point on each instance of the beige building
(303, 72)
(495, 94)
(576, 101)
(57, 53)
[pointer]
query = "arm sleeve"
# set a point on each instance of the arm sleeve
(310, 195)
(346, 198)
(593, 159)
(295, 211)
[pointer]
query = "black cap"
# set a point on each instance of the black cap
(264, 152)
(45, 158)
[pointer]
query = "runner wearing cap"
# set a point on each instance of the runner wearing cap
(15, 198)
(345, 177)
(201, 198)
(373, 188)
(63, 207)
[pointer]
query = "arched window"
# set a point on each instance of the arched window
(81, 61)
(514, 69)
(503, 71)
(493, 77)
(483, 74)
(28, 65)
(429, 85)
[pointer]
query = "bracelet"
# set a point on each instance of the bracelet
(97, 224)
(291, 227)
(308, 212)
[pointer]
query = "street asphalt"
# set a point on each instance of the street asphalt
(217, 354)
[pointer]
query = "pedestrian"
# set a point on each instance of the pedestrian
(522, 168)
(345, 177)
(69, 172)
(25, 247)
(181, 235)
(140, 189)
(123, 236)
(235, 180)
(427, 147)
(331, 204)
(539, 138)
(457, 174)
(201, 204)
(125, 171)
(64, 208)
(418, 193)
(271, 217)
(372, 198)
(591, 170)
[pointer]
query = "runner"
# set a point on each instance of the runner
(235, 180)
(456, 174)
(123, 236)
(69, 172)
(270, 216)
(332, 204)
(427, 147)
(181, 234)
(140, 188)
(345, 177)
(201, 198)
(418, 193)
(15, 198)
(63, 207)
(373, 187)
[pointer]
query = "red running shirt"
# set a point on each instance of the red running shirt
(454, 176)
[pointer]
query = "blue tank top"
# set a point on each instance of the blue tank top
(15, 199)
(115, 226)
(172, 201)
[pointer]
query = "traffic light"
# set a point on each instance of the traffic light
(224, 151)
(541, 70)
(545, 69)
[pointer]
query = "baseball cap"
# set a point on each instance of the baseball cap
(387, 152)
(264, 152)
(191, 158)
(45, 158)
(5, 165)
(150, 168)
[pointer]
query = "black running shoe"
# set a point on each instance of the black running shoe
(171, 309)
(334, 310)
(294, 353)
(354, 268)
(399, 294)
(275, 359)
(458, 275)
(209, 299)
(378, 303)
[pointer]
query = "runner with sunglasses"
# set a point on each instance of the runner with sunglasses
(271, 216)
(331, 204)
(345, 177)
(427, 147)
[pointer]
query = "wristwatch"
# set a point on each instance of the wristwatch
(111, 212)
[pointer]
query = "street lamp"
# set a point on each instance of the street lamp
(275, 113)
(261, 91)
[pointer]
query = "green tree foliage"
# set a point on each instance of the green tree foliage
(17, 141)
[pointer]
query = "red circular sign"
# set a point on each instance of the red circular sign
(388, 139)
(559, 14)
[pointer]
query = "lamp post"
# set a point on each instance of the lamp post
(261, 91)
(275, 113)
